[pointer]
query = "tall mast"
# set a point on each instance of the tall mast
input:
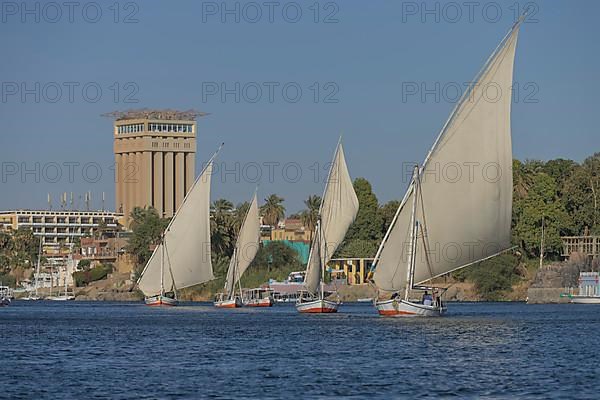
(37, 269)
(413, 236)
(323, 258)
(162, 267)
(542, 244)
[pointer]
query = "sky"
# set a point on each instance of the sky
(281, 81)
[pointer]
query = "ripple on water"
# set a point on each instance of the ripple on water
(112, 350)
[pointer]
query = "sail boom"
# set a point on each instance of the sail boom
(466, 265)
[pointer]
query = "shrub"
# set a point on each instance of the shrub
(83, 278)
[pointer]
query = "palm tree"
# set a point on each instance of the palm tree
(221, 227)
(239, 215)
(273, 211)
(311, 214)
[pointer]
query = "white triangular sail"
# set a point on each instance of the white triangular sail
(186, 244)
(338, 210)
(245, 248)
(466, 185)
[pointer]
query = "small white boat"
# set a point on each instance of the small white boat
(317, 306)
(6, 295)
(224, 301)
(337, 212)
(585, 299)
(406, 308)
(161, 300)
(64, 297)
(246, 247)
(31, 298)
(589, 289)
(258, 297)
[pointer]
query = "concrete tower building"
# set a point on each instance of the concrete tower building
(155, 158)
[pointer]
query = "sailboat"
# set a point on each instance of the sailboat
(35, 295)
(182, 258)
(338, 210)
(65, 295)
(445, 224)
(245, 250)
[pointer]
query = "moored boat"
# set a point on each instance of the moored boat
(337, 211)
(6, 295)
(445, 223)
(589, 289)
(258, 297)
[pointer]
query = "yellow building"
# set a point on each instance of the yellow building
(155, 158)
(353, 270)
(291, 229)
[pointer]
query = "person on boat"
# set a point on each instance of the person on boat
(394, 295)
(427, 299)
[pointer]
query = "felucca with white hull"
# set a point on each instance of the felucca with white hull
(245, 250)
(182, 258)
(444, 224)
(338, 210)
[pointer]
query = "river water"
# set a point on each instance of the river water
(88, 350)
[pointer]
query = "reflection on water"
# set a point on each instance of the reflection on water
(115, 350)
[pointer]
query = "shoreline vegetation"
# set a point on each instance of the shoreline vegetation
(561, 193)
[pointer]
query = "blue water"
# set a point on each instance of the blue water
(83, 350)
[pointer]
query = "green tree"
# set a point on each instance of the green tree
(387, 211)
(239, 216)
(540, 202)
(582, 195)
(147, 228)
(274, 256)
(366, 230)
(273, 210)
(311, 214)
(222, 228)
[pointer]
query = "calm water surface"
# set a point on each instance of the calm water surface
(83, 350)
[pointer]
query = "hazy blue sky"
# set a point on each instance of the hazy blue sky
(170, 56)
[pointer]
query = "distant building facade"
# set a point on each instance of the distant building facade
(155, 159)
(60, 228)
(291, 229)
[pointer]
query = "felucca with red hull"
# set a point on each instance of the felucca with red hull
(246, 247)
(445, 224)
(338, 210)
(182, 258)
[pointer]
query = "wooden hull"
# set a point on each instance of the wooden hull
(233, 303)
(404, 308)
(259, 303)
(161, 301)
(585, 299)
(317, 306)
